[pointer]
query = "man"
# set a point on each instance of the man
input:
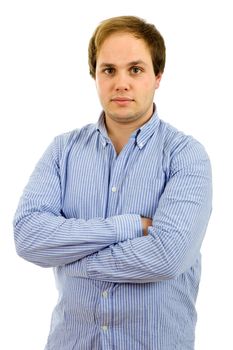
(119, 209)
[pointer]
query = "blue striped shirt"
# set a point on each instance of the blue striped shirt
(81, 214)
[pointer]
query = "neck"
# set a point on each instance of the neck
(120, 133)
(119, 130)
(119, 136)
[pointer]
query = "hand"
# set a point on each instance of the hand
(146, 222)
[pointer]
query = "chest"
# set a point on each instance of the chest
(101, 184)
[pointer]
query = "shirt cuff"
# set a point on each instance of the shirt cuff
(128, 226)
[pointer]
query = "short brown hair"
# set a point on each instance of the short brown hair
(128, 24)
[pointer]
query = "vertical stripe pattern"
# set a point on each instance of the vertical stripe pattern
(80, 213)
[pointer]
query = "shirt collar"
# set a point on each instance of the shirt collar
(141, 135)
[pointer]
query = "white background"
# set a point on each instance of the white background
(45, 90)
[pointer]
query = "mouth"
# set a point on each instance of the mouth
(122, 100)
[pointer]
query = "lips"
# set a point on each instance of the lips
(122, 99)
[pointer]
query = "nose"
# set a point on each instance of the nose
(121, 82)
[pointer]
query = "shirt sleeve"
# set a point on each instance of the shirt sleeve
(179, 225)
(45, 237)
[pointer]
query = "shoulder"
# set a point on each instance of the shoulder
(182, 151)
(68, 139)
(177, 143)
(62, 144)
(75, 135)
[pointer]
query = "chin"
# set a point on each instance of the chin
(124, 118)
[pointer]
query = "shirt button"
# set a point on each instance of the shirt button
(141, 144)
(104, 328)
(105, 294)
(114, 189)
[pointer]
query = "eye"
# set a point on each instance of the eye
(109, 71)
(136, 70)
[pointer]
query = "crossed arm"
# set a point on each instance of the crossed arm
(123, 248)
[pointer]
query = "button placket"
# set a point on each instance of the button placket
(114, 189)
(119, 168)
(105, 294)
(105, 317)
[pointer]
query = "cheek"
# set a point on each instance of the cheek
(97, 85)
(148, 88)
(101, 86)
(153, 85)
(148, 84)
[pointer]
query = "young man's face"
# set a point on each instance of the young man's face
(125, 79)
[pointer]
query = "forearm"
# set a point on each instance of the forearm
(126, 262)
(174, 240)
(49, 240)
(158, 256)
(44, 234)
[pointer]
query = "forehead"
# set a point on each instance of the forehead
(123, 47)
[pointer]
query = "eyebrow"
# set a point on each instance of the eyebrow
(133, 63)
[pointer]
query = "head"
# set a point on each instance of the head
(136, 26)
(126, 59)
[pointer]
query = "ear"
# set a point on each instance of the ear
(158, 78)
